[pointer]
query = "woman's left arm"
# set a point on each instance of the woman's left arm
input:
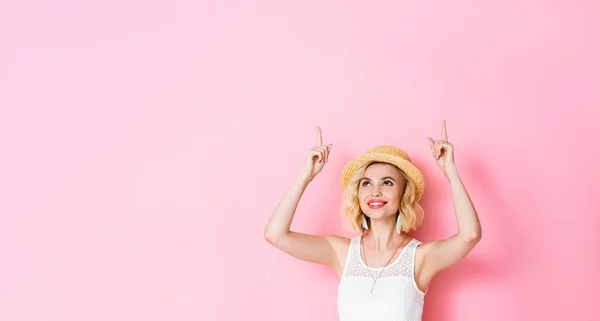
(444, 253)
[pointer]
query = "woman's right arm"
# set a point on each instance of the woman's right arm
(320, 249)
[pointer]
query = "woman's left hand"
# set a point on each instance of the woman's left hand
(443, 151)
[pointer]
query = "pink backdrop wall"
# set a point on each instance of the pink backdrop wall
(145, 144)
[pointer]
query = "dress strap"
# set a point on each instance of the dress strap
(411, 253)
(353, 253)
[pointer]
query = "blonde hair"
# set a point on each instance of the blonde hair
(410, 209)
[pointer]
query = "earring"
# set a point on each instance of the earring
(364, 223)
(399, 223)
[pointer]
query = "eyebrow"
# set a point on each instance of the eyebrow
(383, 178)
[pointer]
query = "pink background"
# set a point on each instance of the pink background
(145, 144)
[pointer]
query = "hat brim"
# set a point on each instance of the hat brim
(413, 173)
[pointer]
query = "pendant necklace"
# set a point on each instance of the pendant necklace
(371, 295)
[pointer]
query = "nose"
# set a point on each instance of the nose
(375, 191)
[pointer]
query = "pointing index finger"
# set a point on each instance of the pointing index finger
(444, 133)
(319, 137)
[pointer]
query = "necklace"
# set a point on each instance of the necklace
(371, 294)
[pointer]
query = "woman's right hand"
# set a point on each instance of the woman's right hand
(322, 249)
(316, 158)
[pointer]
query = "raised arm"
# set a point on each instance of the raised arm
(320, 249)
(444, 253)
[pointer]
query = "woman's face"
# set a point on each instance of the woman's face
(380, 191)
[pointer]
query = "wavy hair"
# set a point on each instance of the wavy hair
(410, 209)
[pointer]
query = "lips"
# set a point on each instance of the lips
(375, 204)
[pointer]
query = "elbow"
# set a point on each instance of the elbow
(472, 238)
(271, 237)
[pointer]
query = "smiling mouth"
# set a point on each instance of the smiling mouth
(376, 204)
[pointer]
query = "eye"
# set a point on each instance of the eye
(366, 183)
(388, 183)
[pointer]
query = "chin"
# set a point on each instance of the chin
(376, 214)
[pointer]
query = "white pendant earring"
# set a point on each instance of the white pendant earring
(399, 223)
(364, 223)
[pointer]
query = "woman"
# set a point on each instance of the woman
(384, 273)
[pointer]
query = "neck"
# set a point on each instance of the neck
(382, 234)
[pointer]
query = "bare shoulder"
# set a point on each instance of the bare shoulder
(339, 242)
(421, 253)
(340, 246)
(435, 256)
(422, 278)
(424, 247)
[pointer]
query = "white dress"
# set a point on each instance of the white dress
(396, 296)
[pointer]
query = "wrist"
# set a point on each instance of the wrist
(304, 179)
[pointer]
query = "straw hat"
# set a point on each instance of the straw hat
(386, 154)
